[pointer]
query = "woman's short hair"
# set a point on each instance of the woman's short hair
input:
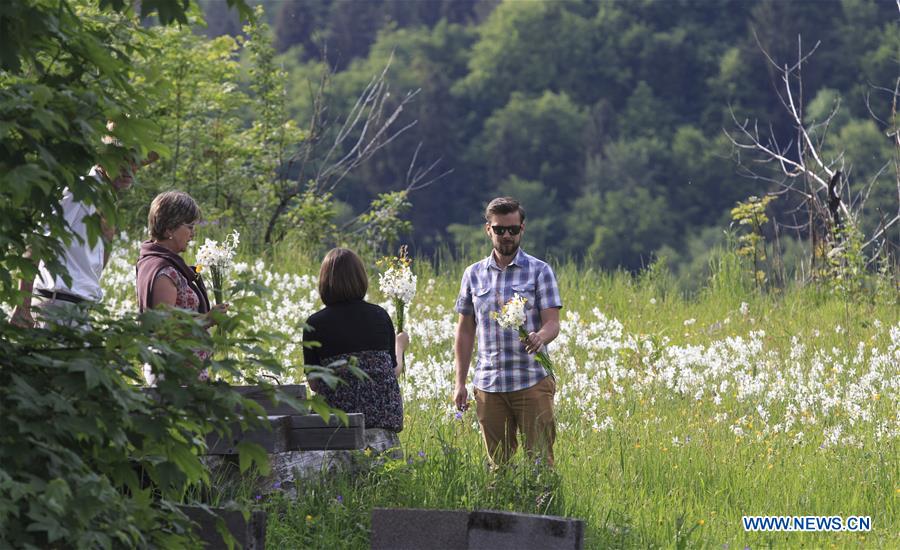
(504, 205)
(342, 277)
(170, 210)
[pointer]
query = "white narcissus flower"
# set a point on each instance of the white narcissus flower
(512, 315)
(219, 259)
(398, 282)
(211, 253)
(808, 390)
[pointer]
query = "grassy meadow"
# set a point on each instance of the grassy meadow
(677, 415)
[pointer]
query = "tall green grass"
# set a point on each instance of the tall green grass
(667, 474)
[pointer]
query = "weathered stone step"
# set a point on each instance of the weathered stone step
(410, 529)
(296, 433)
(248, 534)
(260, 395)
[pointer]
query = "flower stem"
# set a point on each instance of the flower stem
(400, 307)
(541, 356)
(217, 281)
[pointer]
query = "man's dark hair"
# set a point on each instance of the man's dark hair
(342, 277)
(504, 205)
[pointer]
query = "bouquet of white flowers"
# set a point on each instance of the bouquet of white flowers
(512, 316)
(398, 283)
(219, 258)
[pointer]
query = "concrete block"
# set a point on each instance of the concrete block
(411, 529)
(513, 531)
(401, 529)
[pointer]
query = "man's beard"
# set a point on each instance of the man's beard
(506, 249)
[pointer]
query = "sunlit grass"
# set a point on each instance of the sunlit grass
(677, 415)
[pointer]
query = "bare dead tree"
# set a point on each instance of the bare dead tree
(892, 131)
(332, 149)
(417, 177)
(821, 184)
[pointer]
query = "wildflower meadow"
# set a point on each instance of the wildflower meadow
(677, 416)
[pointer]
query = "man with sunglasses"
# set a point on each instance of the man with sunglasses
(513, 393)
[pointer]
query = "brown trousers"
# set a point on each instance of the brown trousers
(530, 411)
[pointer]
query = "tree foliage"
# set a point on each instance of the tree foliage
(587, 98)
(88, 458)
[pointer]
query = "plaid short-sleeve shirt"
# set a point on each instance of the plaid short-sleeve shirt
(502, 364)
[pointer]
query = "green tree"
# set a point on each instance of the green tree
(529, 47)
(629, 225)
(76, 430)
(198, 106)
(538, 138)
(63, 74)
(645, 114)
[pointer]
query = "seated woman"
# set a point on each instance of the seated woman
(163, 277)
(351, 327)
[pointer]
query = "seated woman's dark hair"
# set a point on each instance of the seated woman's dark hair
(342, 277)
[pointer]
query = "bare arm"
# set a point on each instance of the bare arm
(164, 292)
(400, 345)
(548, 332)
(465, 343)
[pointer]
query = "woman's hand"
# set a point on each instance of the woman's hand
(402, 342)
(216, 309)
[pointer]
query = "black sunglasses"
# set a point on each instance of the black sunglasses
(501, 229)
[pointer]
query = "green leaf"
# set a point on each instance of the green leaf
(250, 454)
(187, 462)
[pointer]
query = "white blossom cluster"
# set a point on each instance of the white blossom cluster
(211, 253)
(398, 282)
(752, 386)
(512, 314)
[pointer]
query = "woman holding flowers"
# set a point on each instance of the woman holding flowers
(348, 329)
(163, 277)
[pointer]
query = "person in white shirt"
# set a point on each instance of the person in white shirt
(84, 263)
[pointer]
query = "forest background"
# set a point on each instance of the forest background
(608, 120)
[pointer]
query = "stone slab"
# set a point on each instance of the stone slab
(296, 433)
(479, 530)
(411, 529)
(261, 396)
(275, 441)
(514, 531)
(249, 535)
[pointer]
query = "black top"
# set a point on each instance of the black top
(348, 327)
(361, 332)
